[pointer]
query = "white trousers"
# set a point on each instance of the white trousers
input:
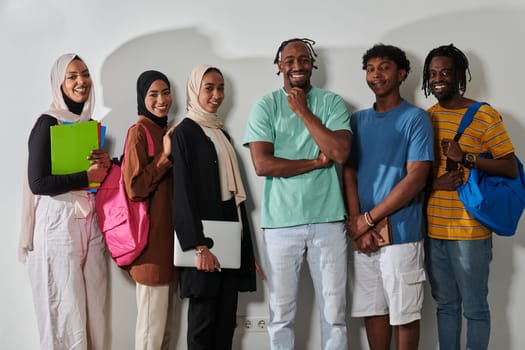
(154, 329)
(68, 274)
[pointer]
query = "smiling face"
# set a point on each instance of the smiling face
(383, 76)
(211, 92)
(77, 82)
(296, 65)
(158, 98)
(441, 78)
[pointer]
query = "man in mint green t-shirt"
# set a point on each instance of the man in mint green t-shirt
(296, 134)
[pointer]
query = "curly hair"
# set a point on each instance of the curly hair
(389, 51)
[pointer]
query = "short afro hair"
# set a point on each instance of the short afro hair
(388, 51)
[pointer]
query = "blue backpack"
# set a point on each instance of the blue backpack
(496, 202)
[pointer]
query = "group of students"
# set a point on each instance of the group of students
(63, 244)
(393, 158)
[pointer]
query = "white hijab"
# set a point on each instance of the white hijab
(60, 111)
(213, 122)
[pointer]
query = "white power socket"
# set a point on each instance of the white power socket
(252, 323)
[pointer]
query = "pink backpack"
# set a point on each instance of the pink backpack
(124, 223)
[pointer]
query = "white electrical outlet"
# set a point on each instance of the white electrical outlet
(252, 323)
(260, 324)
(248, 324)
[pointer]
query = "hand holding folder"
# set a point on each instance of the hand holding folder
(71, 144)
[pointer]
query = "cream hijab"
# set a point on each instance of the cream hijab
(60, 111)
(213, 122)
(58, 108)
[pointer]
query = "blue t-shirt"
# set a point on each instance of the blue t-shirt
(311, 197)
(382, 145)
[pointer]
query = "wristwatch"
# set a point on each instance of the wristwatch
(469, 160)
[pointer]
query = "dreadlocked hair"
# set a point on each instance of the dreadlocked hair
(309, 43)
(460, 67)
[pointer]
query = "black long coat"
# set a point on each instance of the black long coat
(197, 196)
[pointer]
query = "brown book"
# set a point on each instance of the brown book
(384, 230)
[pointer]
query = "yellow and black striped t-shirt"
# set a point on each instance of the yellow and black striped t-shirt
(447, 217)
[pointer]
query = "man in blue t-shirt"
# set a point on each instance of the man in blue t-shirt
(392, 153)
(295, 135)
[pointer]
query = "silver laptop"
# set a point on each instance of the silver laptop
(226, 237)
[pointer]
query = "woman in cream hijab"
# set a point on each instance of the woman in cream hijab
(207, 185)
(60, 236)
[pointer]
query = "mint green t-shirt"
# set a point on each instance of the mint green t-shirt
(312, 197)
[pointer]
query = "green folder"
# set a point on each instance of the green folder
(71, 144)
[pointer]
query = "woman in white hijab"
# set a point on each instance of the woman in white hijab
(60, 236)
(207, 185)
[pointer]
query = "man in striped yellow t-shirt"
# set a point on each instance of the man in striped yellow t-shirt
(459, 248)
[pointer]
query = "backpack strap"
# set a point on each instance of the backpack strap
(465, 122)
(151, 149)
(467, 118)
(151, 152)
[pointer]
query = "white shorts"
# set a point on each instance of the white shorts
(388, 282)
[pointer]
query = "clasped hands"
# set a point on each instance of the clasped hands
(364, 238)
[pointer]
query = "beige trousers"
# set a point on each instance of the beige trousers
(155, 325)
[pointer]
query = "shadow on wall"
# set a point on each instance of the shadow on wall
(475, 33)
(176, 52)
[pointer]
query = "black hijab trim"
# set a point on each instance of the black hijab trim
(143, 84)
(74, 107)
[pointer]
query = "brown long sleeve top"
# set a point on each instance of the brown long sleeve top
(150, 179)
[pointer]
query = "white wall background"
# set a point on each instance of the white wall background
(120, 39)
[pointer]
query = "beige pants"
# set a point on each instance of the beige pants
(155, 316)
